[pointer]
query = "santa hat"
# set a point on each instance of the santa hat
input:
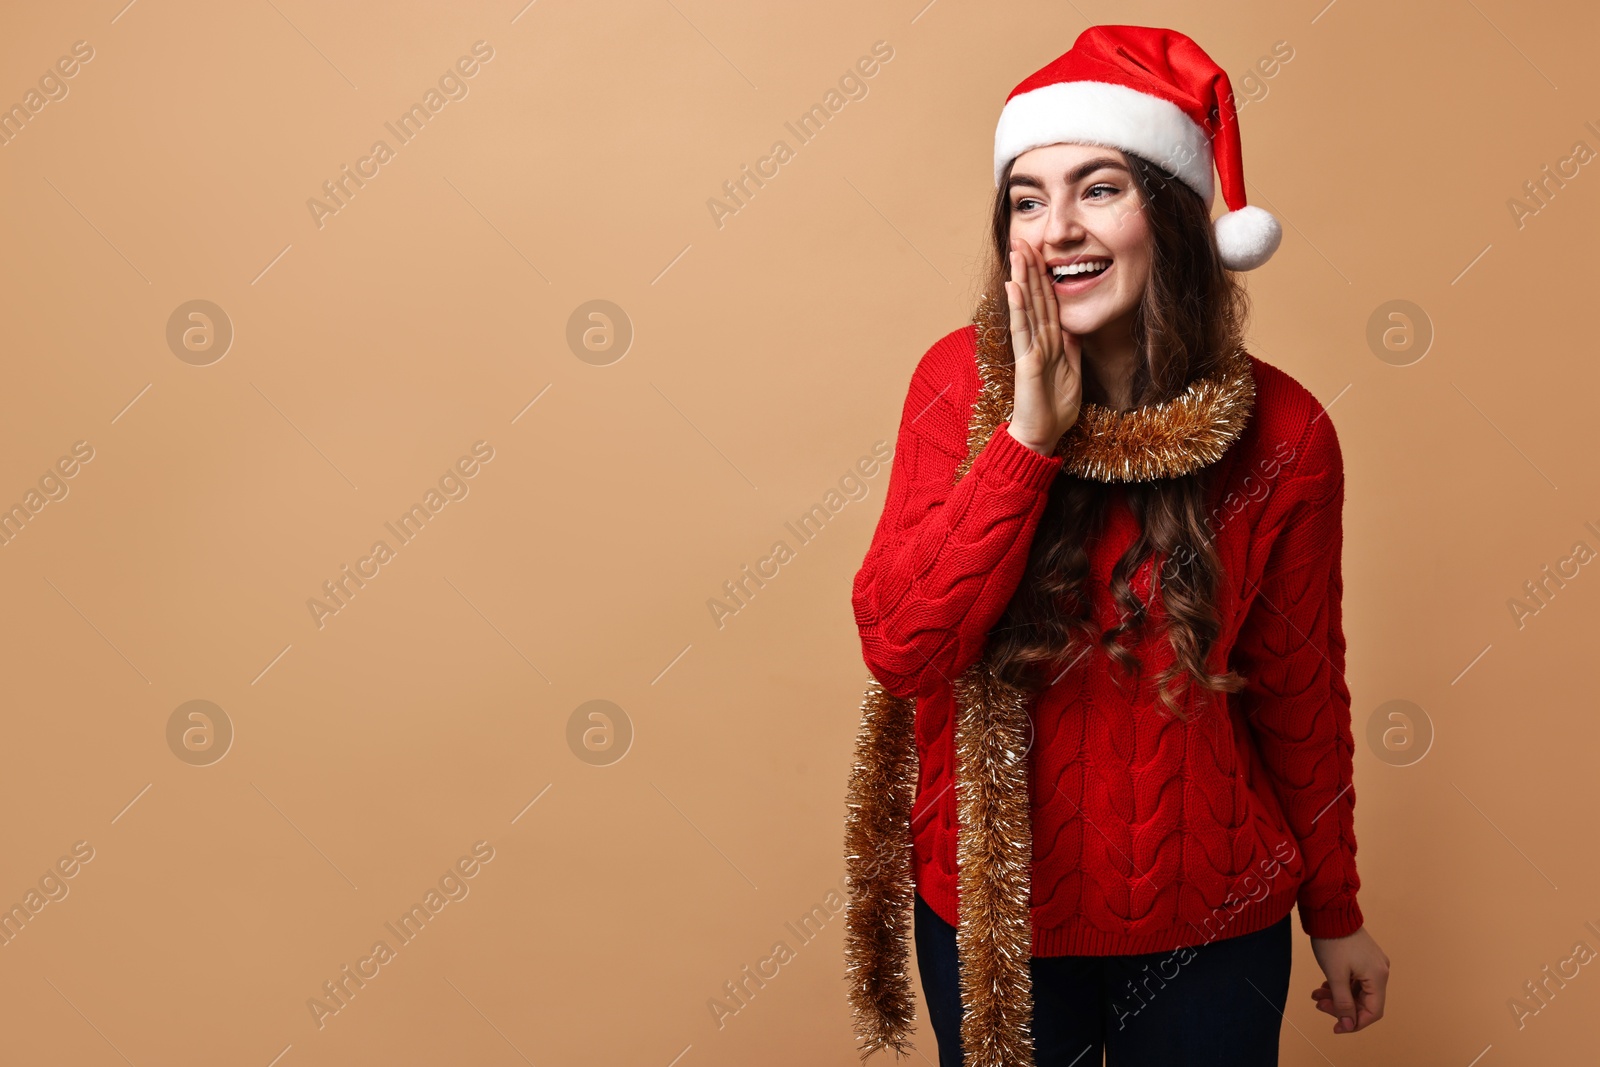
(1156, 94)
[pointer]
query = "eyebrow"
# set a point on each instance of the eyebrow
(1076, 174)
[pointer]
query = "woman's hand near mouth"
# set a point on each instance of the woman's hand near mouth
(1049, 376)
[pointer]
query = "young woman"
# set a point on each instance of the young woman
(1106, 745)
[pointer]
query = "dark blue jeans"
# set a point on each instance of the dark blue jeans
(1220, 1006)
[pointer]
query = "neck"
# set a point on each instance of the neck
(1110, 359)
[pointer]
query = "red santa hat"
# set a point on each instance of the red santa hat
(1156, 94)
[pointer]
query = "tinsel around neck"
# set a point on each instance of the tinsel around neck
(1162, 440)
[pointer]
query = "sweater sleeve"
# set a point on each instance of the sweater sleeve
(1291, 650)
(946, 556)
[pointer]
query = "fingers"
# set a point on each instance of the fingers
(1020, 338)
(1030, 328)
(1035, 292)
(1344, 1001)
(1022, 334)
(1036, 273)
(1019, 275)
(1363, 1006)
(1371, 996)
(1049, 313)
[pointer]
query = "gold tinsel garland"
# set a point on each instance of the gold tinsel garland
(994, 833)
(1165, 440)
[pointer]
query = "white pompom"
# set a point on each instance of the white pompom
(1247, 237)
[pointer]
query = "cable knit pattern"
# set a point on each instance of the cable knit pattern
(1148, 833)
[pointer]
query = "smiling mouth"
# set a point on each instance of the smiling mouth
(1072, 272)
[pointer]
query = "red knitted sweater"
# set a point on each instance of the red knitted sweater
(1149, 833)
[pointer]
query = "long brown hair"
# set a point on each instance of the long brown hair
(1192, 313)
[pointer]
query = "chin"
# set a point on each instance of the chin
(1081, 321)
(1080, 324)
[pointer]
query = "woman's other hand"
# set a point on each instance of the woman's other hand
(1358, 975)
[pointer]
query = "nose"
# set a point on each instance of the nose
(1064, 226)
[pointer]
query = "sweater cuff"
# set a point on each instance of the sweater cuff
(1340, 919)
(1012, 459)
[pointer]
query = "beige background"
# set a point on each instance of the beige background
(768, 356)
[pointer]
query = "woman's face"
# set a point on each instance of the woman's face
(1080, 202)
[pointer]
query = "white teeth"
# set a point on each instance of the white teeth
(1089, 267)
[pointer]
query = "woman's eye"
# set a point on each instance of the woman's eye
(1022, 205)
(1101, 185)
